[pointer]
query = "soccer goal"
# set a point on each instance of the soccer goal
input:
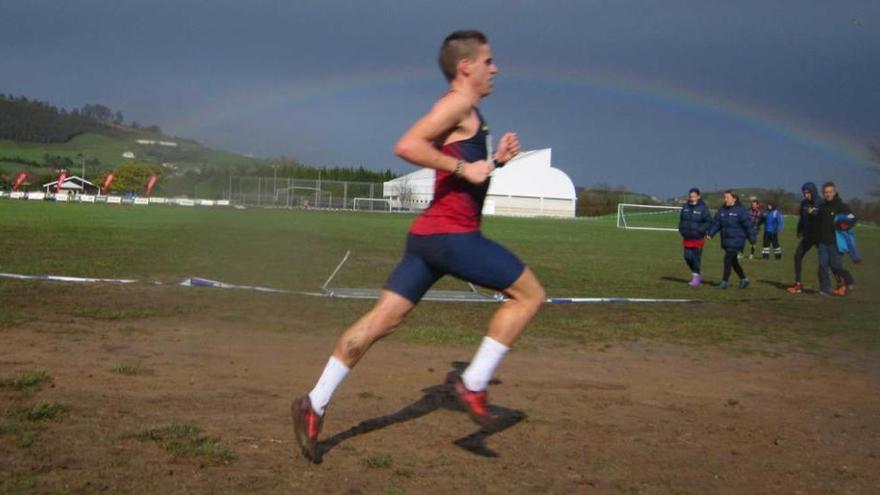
(647, 217)
(371, 204)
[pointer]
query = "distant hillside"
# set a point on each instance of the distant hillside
(40, 139)
(602, 199)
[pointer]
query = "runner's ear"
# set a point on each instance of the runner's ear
(463, 67)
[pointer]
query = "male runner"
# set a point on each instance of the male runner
(451, 138)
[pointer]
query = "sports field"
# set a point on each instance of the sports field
(155, 388)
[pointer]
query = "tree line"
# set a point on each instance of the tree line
(30, 120)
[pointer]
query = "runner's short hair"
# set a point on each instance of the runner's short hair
(733, 193)
(829, 184)
(457, 46)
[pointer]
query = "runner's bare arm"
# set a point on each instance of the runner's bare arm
(418, 143)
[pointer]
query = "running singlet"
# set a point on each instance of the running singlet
(457, 205)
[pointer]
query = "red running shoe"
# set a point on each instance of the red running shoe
(306, 426)
(475, 403)
(795, 288)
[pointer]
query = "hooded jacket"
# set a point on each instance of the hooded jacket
(808, 215)
(694, 220)
(735, 225)
(827, 212)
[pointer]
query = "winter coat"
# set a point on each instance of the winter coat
(827, 212)
(808, 215)
(846, 239)
(694, 220)
(735, 225)
(773, 221)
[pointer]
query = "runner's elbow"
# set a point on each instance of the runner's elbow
(403, 149)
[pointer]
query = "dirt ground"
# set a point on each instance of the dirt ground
(642, 417)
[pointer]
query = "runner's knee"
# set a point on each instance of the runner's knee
(529, 292)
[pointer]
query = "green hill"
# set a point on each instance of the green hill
(40, 139)
(103, 152)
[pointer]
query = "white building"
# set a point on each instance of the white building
(72, 185)
(527, 186)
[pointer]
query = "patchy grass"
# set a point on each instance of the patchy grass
(183, 440)
(439, 336)
(25, 434)
(27, 381)
(129, 370)
(18, 483)
(129, 313)
(380, 461)
(9, 320)
(45, 411)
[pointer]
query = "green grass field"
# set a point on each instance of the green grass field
(297, 249)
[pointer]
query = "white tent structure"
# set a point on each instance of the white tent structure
(72, 185)
(527, 186)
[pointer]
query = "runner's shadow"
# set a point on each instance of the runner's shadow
(435, 397)
(774, 283)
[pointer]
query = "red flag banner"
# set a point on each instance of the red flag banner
(151, 184)
(107, 181)
(19, 181)
(61, 178)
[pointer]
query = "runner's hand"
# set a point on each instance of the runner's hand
(508, 148)
(476, 172)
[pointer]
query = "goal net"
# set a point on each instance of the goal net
(648, 217)
(371, 204)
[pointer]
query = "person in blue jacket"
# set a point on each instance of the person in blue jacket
(772, 228)
(693, 224)
(735, 225)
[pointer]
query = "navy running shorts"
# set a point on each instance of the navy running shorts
(469, 257)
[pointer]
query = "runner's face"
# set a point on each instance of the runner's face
(808, 195)
(728, 199)
(693, 197)
(483, 70)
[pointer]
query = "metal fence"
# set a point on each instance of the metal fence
(304, 193)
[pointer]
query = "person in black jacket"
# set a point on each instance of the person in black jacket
(693, 223)
(829, 256)
(807, 231)
(735, 225)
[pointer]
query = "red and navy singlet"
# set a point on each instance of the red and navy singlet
(457, 205)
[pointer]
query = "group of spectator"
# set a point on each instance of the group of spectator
(823, 222)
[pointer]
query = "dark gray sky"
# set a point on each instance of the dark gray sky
(654, 95)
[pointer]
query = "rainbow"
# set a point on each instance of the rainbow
(764, 120)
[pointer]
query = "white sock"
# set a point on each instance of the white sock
(333, 374)
(476, 377)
